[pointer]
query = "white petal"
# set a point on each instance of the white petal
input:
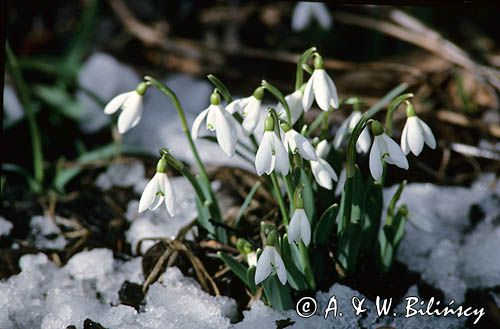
(320, 12)
(234, 107)
(280, 266)
(396, 155)
(428, 135)
(294, 227)
(195, 129)
(308, 97)
(376, 168)
(115, 104)
(211, 122)
(264, 267)
(404, 139)
(281, 156)
(415, 135)
(355, 117)
(322, 148)
(226, 136)
(294, 101)
(329, 170)
(364, 141)
(306, 150)
(149, 193)
(305, 228)
(301, 16)
(264, 156)
(290, 141)
(132, 110)
(341, 133)
(168, 191)
(251, 113)
(321, 91)
(341, 182)
(321, 175)
(334, 101)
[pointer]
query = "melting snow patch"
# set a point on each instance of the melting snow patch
(5, 227)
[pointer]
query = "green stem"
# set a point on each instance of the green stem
(299, 76)
(289, 189)
(36, 145)
(324, 124)
(391, 109)
(279, 197)
(308, 273)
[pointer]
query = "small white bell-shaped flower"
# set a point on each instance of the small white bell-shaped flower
(305, 12)
(299, 227)
(271, 154)
(320, 87)
(364, 140)
(251, 110)
(158, 190)
(416, 133)
(270, 260)
(131, 105)
(294, 101)
(220, 121)
(295, 142)
(322, 171)
(384, 149)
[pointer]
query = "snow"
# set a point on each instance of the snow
(123, 174)
(456, 255)
(5, 227)
(45, 233)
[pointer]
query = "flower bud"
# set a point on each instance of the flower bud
(161, 167)
(285, 126)
(141, 88)
(271, 238)
(259, 93)
(377, 128)
(215, 98)
(269, 123)
(410, 110)
(318, 62)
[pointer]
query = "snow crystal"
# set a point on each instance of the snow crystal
(450, 255)
(45, 233)
(5, 227)
(104, 77)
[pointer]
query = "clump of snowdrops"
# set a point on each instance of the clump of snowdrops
(300, 169)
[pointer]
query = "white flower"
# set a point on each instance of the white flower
(320, 87)
(294, 101)
(322, 171)
(251, 110)
(252, 259)
(299, 227)
(385, 149)
(364, 140)
(157, 191)
(295, 142)
(131, 105)
(269, 259)
(220, 121)
(271, 155)
(305, 12)
(415, 134)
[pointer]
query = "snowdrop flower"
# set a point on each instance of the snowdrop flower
(294, 101)
(158, 190)
(299, 227)
(295, 142)
(416, 133)
(245, 248)
(322, 171)
(220, 121)
(271, 155)
(251, 108)
(305, 12)
(270, 259)
(131, 105)
(364, 141)
(384, 149)
(320, 87)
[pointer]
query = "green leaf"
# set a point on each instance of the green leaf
(348, 247)
(251, 279)
(236, 267)
(279, 96)
(246, 203)
(59, 99)
(358, 187)
(371, 216)
(299, 75)
(300, 177)
(325, 226)
(277, 294)
(204, 216)
(295, 277)
(394, 200)
(30, 180)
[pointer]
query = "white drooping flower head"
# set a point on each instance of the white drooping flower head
(384, 149)
(305, 12)
(320, 87)
(364, 140)
(294, 101)
(296, 143)
(158, 190)
(299, 227)
(416, 133)
(220, 121)
(322, 171)
(270, 260)
(271, 154)
(131, 105)
(251, 110)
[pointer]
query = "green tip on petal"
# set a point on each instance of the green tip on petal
(271, 238)
(285, 126)
(377, 128)
(318, 62)
(215, 98)
(141, 88)
(410, 110)
(161, 167)
(269, 123)
(259, 93)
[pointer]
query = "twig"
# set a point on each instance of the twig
(463, 121)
